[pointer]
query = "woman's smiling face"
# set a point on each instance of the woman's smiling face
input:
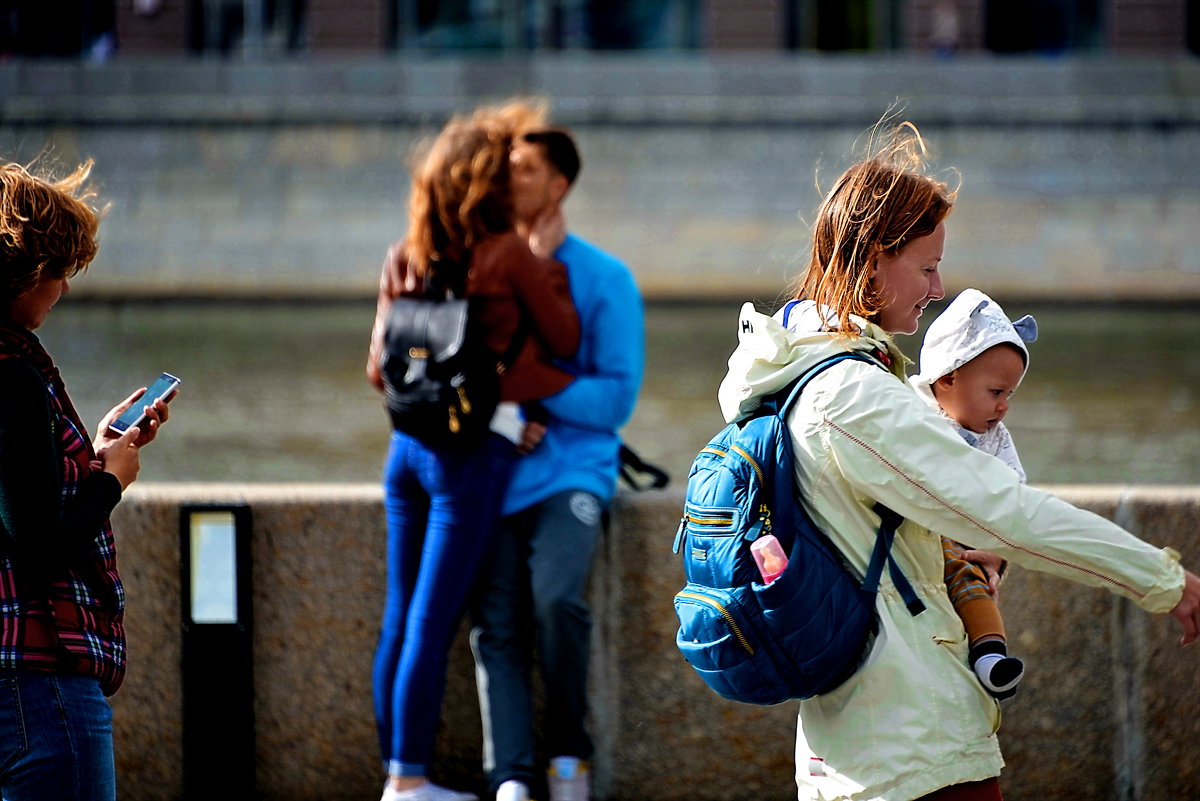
(907, 281)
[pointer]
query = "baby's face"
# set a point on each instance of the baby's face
(976, 394)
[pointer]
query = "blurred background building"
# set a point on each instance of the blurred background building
(102, 29)
(255, 154)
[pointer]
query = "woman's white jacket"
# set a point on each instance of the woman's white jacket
(914, 718)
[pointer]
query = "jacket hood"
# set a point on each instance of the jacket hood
(774, 351)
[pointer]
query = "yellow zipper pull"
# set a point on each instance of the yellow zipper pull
(462, 400)
(454, 424)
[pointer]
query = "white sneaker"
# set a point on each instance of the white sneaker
(426, 792)
(512, 790)
(569, 779)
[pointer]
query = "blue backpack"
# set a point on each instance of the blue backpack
(807, 631)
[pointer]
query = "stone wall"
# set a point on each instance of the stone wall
(1078, 177)
(1107, 709)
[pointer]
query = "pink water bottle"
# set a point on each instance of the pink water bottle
(769, 556)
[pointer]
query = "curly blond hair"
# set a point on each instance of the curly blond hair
(878, 205)
(460, 194)
(519, 115)
(47, 227)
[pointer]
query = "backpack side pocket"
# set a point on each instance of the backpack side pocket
(715, 553)
(820, 624)
(721, 638)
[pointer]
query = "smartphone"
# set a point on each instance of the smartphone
(162, 387)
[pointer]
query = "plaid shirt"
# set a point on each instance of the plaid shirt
(70, 623)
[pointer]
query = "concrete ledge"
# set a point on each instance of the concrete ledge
(1107, 709)
(599, 88)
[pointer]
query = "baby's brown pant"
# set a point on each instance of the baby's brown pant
(968, 589)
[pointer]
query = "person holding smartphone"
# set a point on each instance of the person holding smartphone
(62, 640)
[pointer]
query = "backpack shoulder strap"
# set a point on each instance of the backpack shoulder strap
(889, 520)
(816, 370)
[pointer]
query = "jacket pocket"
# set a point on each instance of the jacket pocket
(956, 642)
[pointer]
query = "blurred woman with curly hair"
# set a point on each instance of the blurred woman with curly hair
(443, 501)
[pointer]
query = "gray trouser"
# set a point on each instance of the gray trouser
(531, 593)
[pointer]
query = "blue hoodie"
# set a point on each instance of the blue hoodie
(581, 446)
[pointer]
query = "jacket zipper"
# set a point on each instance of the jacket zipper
(733, 626)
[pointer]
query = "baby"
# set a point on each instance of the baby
(972, 360)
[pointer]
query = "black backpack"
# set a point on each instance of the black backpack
(441, 380)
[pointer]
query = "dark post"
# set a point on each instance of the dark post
(218, 688)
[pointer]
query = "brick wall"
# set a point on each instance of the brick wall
(358, 25)
(1130, 26)
(1146, 26)
(745, 24)
(163, 32)
(934, 24)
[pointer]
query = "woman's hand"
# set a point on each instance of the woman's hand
(531, 436)
(991, 565)
(156, 415)
(119, 456)
(1187, 611)
(547, 232)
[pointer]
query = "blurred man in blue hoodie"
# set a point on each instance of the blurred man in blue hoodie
(532, 590)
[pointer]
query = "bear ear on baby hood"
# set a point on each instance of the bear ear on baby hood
(1026, 328)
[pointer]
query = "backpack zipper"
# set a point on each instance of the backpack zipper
(754, 464)
(733, 626)
(764, 512)
(700, 521)
(710, 521)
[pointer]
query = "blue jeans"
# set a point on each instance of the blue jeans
(533, 593)
(443, 507)
(55, 738)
